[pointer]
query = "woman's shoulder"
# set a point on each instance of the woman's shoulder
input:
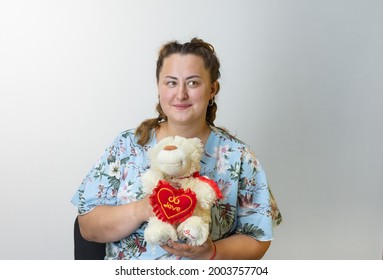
(224, 136)
(130, 138)
(128, 133)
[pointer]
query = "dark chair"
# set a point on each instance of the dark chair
(86, 250)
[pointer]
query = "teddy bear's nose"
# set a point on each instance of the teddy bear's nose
(170, 148)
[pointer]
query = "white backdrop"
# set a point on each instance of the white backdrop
(301, 82)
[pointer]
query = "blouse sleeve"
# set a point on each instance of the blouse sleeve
(101, 184)
(255, 213)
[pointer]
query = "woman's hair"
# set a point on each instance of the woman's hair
(196, 47)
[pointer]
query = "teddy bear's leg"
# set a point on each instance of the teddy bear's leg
(194, 230)
(158, 232)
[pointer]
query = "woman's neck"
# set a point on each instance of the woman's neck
(202, 132)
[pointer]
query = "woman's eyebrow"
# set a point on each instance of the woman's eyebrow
(170, 77)
(187, 78)
(192, 77)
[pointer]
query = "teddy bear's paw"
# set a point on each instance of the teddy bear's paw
(150, 180)
(194, 231)
(158, 232)
(205, 204)
(205, 195)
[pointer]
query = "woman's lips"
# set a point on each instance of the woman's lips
(182, 106)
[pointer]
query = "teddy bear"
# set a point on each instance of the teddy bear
(180, 197)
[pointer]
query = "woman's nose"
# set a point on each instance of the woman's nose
(182, 92)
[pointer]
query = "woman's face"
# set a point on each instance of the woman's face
(185, 89)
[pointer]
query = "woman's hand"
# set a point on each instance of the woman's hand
(145, 210)
(234, 247)
(202, 252)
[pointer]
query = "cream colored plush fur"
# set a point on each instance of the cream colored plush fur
(175, 159)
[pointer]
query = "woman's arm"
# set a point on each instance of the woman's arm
(240, 246)
(112, 223)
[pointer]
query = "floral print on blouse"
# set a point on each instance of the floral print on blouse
(248, 206)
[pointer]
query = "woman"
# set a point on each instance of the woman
(112, 207)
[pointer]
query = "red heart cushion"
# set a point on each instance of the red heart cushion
(172, 205)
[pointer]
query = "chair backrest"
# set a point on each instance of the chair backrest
(86, 250)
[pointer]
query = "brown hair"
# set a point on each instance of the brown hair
(211, 62)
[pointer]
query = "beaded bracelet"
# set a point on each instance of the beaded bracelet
(214, 252)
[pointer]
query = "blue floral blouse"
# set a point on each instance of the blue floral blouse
(247, 207)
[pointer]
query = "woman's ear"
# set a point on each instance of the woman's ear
(214, 89)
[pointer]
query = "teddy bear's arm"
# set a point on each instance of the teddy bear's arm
(206, 196)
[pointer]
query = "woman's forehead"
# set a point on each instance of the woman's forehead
(177, 64)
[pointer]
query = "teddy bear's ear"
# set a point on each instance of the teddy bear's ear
(197, 142)
(196, 147)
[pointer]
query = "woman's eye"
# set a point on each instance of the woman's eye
(192, 83)
(170, 83)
